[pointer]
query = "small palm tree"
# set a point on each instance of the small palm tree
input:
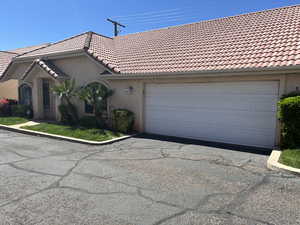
(66, 91)
(96, 95)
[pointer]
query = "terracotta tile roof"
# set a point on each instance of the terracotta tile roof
(48, 67)
(73, 43)
(267, 39)
(28, 49)
(264, 39)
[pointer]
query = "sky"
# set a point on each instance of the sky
(31, 22)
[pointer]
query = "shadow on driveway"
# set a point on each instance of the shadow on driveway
(232, 147)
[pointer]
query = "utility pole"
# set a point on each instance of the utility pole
(116, 24)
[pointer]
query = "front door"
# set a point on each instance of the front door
(47, 100)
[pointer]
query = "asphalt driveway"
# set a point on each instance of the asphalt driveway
(139, 181)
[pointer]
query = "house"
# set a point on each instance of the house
(217, 80)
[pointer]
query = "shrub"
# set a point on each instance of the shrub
(123, 120)
(88, 122)
(289, 114)
(21, 111)
(5, 108)
(66, 116)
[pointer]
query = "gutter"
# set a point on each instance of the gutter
(205, 73)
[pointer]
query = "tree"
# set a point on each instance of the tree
(66, 91)
(96, 95)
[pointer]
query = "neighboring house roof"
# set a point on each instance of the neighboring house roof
(266, 39)
(48, 67)
(5, 59)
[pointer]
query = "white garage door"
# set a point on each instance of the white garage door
(241, 113)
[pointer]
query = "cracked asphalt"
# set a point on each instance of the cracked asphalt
(139, 181)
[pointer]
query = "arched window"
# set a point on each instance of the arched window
(25, 95)
(94, 89)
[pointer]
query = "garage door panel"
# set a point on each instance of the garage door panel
(240, 88)
(237, 112)
(224, 118)
(261, 103)
(204, 125)
(216, 133)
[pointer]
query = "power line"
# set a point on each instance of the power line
(147, 13)
(163, 18)
(177, 14)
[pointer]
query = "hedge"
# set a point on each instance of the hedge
(123, 120)
(289, 114)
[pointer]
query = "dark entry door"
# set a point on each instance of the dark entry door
(46, 99)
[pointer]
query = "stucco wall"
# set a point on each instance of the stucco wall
(83, 70)
(292, 83)
(9, 89)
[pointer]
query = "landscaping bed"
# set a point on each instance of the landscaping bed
(290, 157)
(90, 134)
(12, 120)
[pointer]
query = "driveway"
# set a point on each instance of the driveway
(139, 181)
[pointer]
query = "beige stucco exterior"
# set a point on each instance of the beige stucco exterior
(86, 70)
(135, 101)
(9, 89)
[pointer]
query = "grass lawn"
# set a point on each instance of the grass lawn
(12, 120)
(290, 157)
(90, 134)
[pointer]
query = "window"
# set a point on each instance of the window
(88, 108)
(25, 95)
(93, 89)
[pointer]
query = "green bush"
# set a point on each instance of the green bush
(21, 111)
(65, 115)
(88, 122)
(5, 109)
(123, 120)
(289, 114)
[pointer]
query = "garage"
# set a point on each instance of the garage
(242, 113)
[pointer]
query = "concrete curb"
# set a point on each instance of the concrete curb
(64, 138)
(273, 164)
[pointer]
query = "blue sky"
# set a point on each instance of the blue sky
(30, 22)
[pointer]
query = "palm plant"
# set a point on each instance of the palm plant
(96, 95)
(66, 91)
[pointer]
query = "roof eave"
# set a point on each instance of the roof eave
(205, 73)
(51, 55)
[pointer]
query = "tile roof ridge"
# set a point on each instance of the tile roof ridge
(34, 50)
(88, 40)
(45, 66)
(210, 20)
(104, 62)
(74, 36)
(30, 46)
(101, 35)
